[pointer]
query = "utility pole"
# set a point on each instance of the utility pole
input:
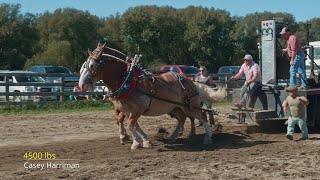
(307, 27)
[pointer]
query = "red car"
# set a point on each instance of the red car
(189, 71)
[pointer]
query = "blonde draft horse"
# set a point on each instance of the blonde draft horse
(220, 95)
(119, 116)
(152, 96)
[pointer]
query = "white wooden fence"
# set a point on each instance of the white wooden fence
(61, 93)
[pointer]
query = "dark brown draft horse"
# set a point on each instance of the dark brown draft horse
(136, 92)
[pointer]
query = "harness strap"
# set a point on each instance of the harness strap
(179, 78)
(116, 58)
(148, 105)
(169, 101)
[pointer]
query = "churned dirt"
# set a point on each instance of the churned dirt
(90, 139)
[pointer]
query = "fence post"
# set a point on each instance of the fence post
(7, 88)
(62, 88)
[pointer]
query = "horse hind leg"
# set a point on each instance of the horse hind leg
(208, 137)
(193, 127)
(203, 118)
(181, 117)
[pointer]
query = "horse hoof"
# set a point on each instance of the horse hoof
(135, 145)
(147, 144)
(207, 141)
(124, 139)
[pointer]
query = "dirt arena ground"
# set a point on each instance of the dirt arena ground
(90, 140)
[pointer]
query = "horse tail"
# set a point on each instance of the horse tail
(211, 95)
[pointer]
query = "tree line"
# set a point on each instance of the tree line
(163, 35)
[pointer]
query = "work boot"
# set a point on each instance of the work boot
(290, 137)
(303, 138)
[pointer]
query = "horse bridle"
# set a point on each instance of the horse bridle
(99, 64)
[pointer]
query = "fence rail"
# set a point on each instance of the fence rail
(8, 87)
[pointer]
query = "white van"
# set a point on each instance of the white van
(25, 79)
(316, 46)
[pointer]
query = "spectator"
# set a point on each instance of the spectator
(297, 112)
(80, 97)
(296, 54)
(39, 99)
(204, 78)
(252, 73)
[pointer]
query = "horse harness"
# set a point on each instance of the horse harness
(136, 73)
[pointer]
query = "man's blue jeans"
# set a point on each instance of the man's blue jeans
(298, 67)
(292, 121)
(248, 91)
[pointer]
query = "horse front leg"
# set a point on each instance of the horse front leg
(146, 143)
(136, 139)
(122, 130)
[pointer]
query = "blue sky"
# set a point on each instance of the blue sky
(301, 9)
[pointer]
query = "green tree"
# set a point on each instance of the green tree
(111, 32)
(58, 53)
(246, 33)
(17, 37)
(140, 36)
(78, 28)
(165, 35)
(314, 31)
(207, 36)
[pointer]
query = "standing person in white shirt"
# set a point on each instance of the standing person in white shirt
(251, 70)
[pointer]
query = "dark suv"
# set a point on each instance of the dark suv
(189, 71)
(56, 69)
(225, 73)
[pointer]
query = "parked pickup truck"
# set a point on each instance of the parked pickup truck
(25, 77)
(188, 71)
